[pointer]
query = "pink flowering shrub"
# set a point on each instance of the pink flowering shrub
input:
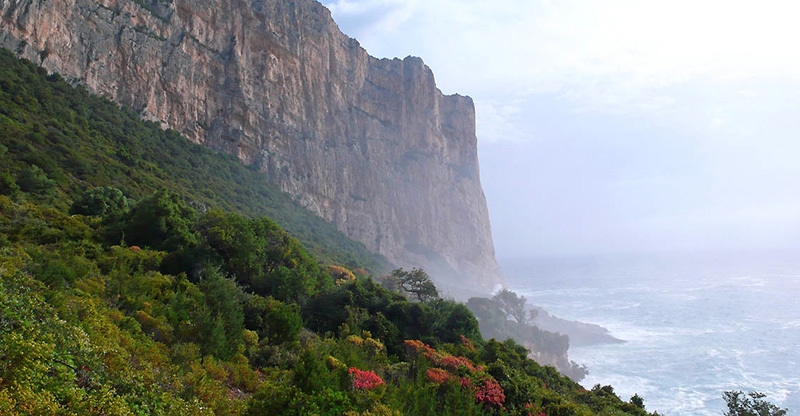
(454, 363)
(414, 344)
(490, 393)
(466, 342)
(466, 383)
(365, 380)
(439, 376)
(416, 347)
(534, 410)
(437, 358)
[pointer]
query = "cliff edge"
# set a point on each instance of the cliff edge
(369, 144)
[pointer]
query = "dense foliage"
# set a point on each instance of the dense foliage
(60, 141)
(121, 294)
(506, 316)
(750, 404)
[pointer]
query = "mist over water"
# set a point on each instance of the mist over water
(695, 325)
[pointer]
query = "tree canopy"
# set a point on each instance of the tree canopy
(750, 404)
(416, 283)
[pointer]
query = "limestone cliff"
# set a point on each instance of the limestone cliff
(371, 145)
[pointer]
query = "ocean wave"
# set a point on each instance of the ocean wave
(690, 336)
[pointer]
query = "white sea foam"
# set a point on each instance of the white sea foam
(690, 337)
(791, 325)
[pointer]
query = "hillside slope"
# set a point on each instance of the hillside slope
(370, 145)
(83, 141)
(161, 306)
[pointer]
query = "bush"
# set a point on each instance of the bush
(274, 321)
(162, 221)
(33, 180)
(105, 201)
(8, 186)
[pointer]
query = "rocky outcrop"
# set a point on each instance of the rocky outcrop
(370, 145)
(580, 334)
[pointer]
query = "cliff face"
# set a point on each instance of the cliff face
(371, 145)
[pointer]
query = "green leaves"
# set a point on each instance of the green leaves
(224, 300)
(162, 221)
(261, 256)
(166, 307)
(33, 180)
(416, 283)
(504, 316)
(106, 202)
(274, 321)
(750, 404)
(80, 141)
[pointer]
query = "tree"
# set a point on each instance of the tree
(224, 300)
(513, 306)
(415, 282)
(162, 221)
(105, 201)
(35, 181)
(8, 186)
(740, 404)
(273, 320)
(263, 257)
(454, 320)
(637, 401)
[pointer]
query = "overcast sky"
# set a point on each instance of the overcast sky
(616, 126)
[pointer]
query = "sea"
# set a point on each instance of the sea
(695, 325)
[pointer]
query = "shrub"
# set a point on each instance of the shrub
(33, 180)
(439, 376)
(104, 201)
(365, 380)
(490, 393)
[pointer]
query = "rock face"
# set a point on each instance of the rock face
(370, 145)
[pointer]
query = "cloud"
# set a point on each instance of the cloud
(615, 125)
(583, 49)
(716, 123)
(362, 17)
(496, 122)
(666, 63)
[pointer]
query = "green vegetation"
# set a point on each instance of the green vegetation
(504, 316)
(57, 141)
(230, 315)
(750, 404)
(135, 281)
(415, 283)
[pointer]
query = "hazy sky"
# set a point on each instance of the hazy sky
(617, 126)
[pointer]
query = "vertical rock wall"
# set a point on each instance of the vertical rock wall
(370, 145)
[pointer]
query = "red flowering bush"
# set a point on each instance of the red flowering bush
(490, 393)
(439, 376)
(467, 343)
(466, 383)
(415, 347)
(365, 380)
(414, 344)
(534, 410)
(454, 363)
